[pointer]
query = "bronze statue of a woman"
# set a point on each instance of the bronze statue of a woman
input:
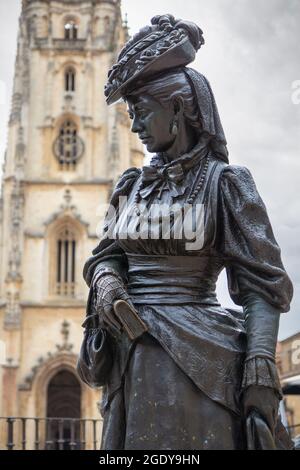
(201, 377)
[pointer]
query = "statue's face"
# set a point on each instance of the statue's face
(152, 121)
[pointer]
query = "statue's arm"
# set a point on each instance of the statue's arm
(105, 272)
(261, 389)
(257, 280)
(246, 241)
(95, 360)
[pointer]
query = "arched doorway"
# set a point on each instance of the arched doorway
(63, 411)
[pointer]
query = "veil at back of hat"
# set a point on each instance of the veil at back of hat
(210, 118)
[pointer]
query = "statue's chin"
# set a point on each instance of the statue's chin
(152, 148)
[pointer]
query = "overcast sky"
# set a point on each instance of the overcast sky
(251, 58)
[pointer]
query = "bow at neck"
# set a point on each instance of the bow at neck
(170, 176)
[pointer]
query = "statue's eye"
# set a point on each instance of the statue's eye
(142, 113)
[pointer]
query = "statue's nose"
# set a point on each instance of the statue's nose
(136, 125)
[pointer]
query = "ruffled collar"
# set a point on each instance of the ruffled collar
(170, 176)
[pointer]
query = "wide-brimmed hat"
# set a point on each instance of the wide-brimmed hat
(166, 44)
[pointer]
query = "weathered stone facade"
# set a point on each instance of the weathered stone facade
(43, 194)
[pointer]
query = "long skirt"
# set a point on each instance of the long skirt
(162, 408)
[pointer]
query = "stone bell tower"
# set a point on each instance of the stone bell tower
(65, 150)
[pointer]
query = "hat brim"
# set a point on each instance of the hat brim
(179, 55)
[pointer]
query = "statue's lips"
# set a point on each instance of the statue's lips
(145, 139)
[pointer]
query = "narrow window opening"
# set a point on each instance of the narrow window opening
(66, 263)
(70, 80)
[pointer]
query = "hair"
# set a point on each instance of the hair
(171, 85)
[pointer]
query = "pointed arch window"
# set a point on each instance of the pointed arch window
(71, 30)
(66, 245)
(70, 79)
(68, 146)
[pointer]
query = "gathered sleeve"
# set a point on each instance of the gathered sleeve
(108, 253)
(246, 241)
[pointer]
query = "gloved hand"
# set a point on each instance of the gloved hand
(261, 388)
(109, 288)
(265, 401)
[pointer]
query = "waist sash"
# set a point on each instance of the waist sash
(163, 279)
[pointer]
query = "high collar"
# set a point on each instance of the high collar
(187, 160)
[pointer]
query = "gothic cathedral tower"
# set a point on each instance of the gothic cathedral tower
(65, 150)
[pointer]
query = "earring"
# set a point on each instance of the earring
(175, 128)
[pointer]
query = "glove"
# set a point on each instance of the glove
(109, 287)
(265, 401)
(261, 390)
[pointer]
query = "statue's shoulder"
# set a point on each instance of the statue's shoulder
(238, 185)
(125, 183)
(131, 174)
(228, 179)
(236, 172)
